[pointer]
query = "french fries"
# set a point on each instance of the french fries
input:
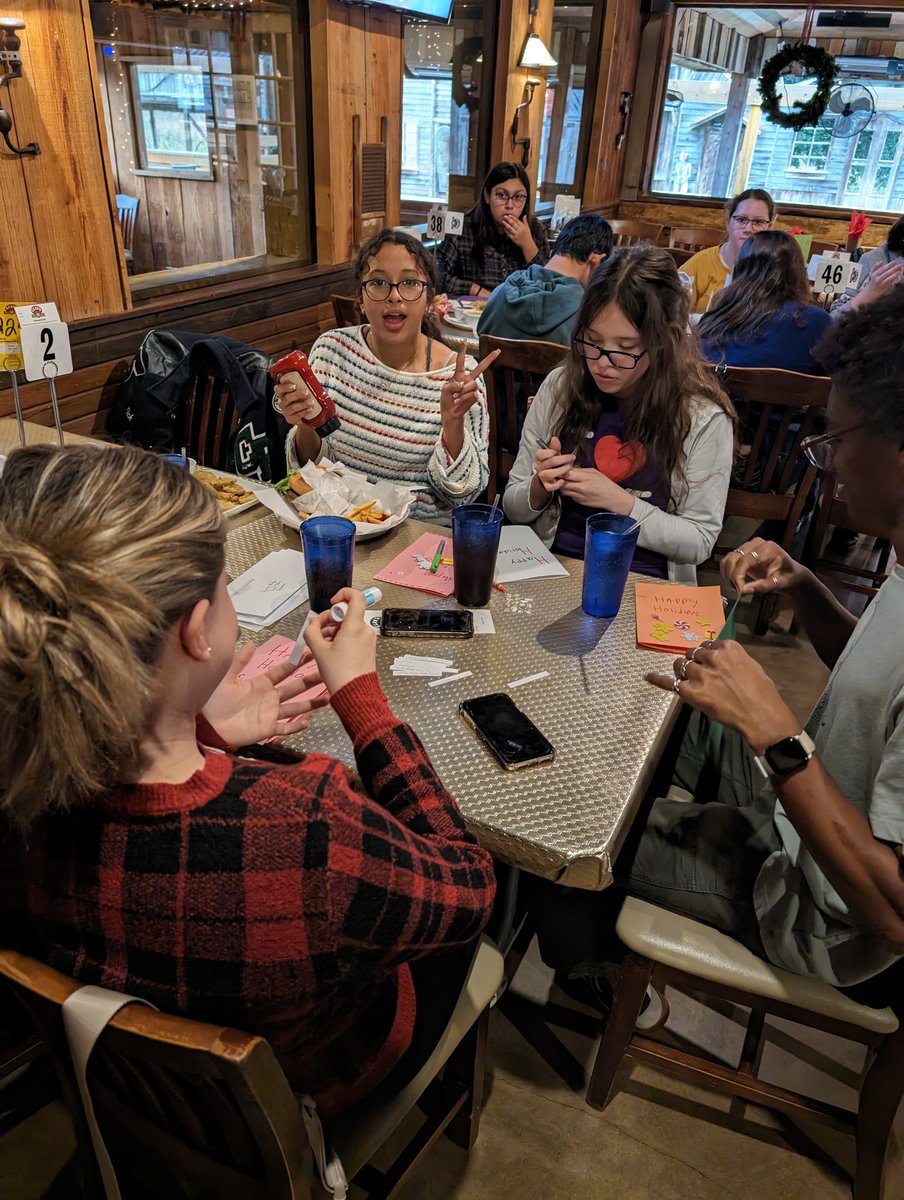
(367, 514)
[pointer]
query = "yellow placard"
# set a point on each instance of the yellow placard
(10, 342)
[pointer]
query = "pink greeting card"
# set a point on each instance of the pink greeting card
(274, 652)
(411, 568)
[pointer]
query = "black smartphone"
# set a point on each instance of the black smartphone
(427, 622)
(506, 731)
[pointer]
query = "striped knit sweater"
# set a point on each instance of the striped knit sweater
(391, 426)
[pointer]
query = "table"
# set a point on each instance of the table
(455, 337)
(38, 435)
(563, 820)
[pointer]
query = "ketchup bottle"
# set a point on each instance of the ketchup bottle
(295, 368)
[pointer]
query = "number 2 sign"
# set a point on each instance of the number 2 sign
(45, 341)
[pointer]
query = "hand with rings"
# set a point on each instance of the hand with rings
(758, 566)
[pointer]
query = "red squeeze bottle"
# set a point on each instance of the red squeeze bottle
(296, 363)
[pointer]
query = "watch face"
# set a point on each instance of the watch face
(787, 756)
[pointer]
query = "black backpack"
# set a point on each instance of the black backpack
(148, 409)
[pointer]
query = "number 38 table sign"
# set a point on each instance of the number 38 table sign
(441, 221)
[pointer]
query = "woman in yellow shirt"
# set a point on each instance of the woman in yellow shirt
(749, 212)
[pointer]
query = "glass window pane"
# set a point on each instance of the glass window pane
(205, 128)
(714, 140)
(564, 108)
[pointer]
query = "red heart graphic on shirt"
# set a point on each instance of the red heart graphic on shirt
(617, 459)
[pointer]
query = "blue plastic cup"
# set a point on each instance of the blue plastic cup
(329, 555)
(475, 544)
(180, 460)
(608, 552)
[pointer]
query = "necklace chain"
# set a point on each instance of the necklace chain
(404, 366)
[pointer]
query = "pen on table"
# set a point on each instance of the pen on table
(437, 558)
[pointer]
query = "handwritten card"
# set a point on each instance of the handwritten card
(523, 556)
(273, 654)
(675, 618)
(411, 568)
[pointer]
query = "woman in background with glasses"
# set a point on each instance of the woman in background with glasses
(632, 423)
(411, 410)
(748, 213)
(499, 236)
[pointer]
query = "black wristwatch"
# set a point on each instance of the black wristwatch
(785, 758)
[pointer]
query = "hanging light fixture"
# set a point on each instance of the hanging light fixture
(11, 64)
(535, 53)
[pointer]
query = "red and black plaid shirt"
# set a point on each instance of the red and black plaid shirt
(279, 900)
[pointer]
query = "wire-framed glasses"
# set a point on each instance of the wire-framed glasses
(820, 447)
(504, 198)
(755, 223)
(410, 288)
(622, 359)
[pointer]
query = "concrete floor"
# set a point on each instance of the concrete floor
(658, 1138)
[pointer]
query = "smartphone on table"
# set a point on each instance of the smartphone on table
(427, 622)
(506, 731)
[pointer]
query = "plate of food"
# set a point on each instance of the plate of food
(331, 490)
(232, 493)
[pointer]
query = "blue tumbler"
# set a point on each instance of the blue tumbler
(608, 552)
(475, 544)
(329, 555)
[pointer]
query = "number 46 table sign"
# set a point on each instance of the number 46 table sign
(45, 341)
(836, 273)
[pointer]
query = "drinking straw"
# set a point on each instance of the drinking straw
(637, 524)
(493, 509)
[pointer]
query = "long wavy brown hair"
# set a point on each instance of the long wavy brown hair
(769, 272)
(643, 282)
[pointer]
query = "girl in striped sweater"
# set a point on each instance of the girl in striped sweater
(412, 411)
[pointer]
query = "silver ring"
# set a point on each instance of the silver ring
(682, 669)
(738, 550)
(696, 649)
(775, 581)
(753, 554)
(676, 687)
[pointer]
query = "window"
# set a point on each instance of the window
(714, 141)
(206, 129)
(445, 120)
(810, 148)
(569, 99)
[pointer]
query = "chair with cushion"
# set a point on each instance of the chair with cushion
(188, 1109)
(127, 215)
(630, 233)
(345, 310)
(511, 381)
(695, 237)
(772, 479)
(668, 948)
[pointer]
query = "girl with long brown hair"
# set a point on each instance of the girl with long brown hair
(633, 423)
(765, 317)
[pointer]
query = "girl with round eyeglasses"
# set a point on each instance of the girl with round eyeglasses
(633, 423)
(412, 411)
(749, 212)
(499, 236)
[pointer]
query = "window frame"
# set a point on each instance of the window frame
(652, 126)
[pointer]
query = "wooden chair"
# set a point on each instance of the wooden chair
(776, 411)
(629, 233)
(513, 378)
(189, 1110)
(209, 417)
(671, 949)
(127, 215)
(831, 511)
(695, 237)
(345, 310)
(824, 247)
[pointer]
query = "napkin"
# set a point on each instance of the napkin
(270, 590)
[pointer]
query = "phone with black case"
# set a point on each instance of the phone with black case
(506, 731)
(427, 622)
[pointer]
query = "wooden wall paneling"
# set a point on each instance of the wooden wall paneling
(246, 189)
(510, 91)
(199, 221)
(68, 187)
(650, 83)
(173, 226)
(20, 269)
(385, 46)
(617, 72)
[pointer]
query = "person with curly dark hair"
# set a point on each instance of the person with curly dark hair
(791, 839)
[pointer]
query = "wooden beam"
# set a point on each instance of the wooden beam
(732, 126)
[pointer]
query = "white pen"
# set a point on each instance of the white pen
(372, 596)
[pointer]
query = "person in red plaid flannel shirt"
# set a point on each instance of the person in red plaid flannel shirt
(141, 854)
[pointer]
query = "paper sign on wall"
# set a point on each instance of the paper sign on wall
(441, 221)
(10, 344)
(45, 341)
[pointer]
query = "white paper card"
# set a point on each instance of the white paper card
(523, 556)
(267, 586)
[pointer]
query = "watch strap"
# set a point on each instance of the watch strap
(807, 744)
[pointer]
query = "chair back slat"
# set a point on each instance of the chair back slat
(695, 237)
(630, 233)
(510, 382)
(209, 417)
(210, 1106)
(345, 310)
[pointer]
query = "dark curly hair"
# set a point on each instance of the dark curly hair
(424, 263)
(862, 353)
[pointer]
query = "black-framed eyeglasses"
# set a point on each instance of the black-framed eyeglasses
(505, 198)
(622, 359)
(820, 447)
(381, 289)
(756, 223)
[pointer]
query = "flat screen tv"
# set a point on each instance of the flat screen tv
(424, 10)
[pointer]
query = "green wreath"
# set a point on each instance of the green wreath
(815, 61)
